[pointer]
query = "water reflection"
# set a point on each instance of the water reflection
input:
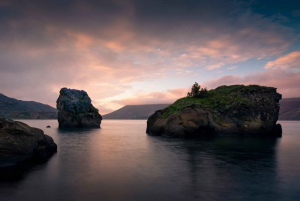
(226, 168)
(18, 172)
(76, 130)
(121, 162)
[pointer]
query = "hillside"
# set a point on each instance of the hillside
(289, 109)
(13, 108)
(135, 111)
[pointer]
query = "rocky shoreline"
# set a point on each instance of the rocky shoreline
(21, 143)
(227, 110)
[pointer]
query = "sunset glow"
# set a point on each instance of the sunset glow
(143, 52)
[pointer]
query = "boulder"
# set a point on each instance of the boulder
(20, 142)
(75, 109)
(227, 110)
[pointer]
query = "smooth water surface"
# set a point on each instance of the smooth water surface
(121, 162)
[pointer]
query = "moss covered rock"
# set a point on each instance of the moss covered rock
(75, 109)
(226, 110)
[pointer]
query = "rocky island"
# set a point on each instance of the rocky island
(20, 142)
(75, 109)
(227, 110)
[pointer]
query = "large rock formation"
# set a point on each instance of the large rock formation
(226, 110)
(20, 142)
(76, 110)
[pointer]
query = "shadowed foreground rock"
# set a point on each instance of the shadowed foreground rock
(227, 110)
(75, 109)
(20, 142)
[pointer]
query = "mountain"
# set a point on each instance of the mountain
(135, 111)
(13, 108)
(289, 109)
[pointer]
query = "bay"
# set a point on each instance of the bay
(121, 162)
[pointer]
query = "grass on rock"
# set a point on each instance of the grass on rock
(223, 97)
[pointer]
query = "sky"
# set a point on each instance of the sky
(126, 52)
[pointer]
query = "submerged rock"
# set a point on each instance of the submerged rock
(20, 142)
(76, 110)
(227, 110)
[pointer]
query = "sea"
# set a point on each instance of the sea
(120, 161)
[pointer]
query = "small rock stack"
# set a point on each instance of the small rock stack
(76, 110)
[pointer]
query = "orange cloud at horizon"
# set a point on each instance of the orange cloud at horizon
(287, 83)
(288, 61)
(110, 48)
(156, 97)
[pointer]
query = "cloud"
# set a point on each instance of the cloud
(103, 47)
(4, 3)
(232, 67)
(289, 61)
(287, 83)
(102, 109)
(296, 13)
(163, 97)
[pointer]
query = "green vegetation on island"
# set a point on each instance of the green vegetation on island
(223, 97)
(227, 110)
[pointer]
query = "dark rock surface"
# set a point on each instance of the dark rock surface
(228, 110)
(20, 142)
(76, 110)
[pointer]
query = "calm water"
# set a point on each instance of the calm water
(121, 162)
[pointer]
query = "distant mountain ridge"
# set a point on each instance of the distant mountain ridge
(14, 108)
(289, 110)
(135, 111)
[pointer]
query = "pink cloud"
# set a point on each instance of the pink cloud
(89, 47)
(289, 61)
(168, 96)
(287, 83)
(4, 3)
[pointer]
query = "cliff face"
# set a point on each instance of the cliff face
(76, 110)
(20, 142)
(226, 110)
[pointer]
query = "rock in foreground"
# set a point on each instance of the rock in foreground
(227, 110)
(20, 142)
(76, 110)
